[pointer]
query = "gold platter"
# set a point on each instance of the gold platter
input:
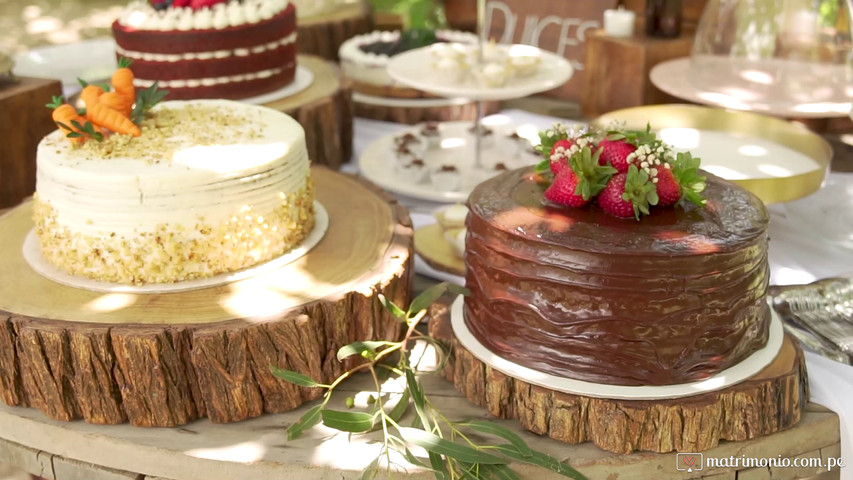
(436, 251)
(742, 124)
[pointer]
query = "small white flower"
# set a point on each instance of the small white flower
(667, 166)
(655, 180)
(651, 157)
(644, 165)
(653, 171)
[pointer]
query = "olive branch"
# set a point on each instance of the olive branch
(452, 453)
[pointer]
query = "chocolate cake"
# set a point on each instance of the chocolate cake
(230, 50)
(672, 298)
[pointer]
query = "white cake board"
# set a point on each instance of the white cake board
(728, 377)
(378, 164)
(415, 69)
(302, 79)
(32, 255)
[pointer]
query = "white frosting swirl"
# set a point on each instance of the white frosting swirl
(141, 15)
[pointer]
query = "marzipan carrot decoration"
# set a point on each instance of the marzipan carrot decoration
(111, 119)
(102, 115)
(117, 102)
(123, 84)
(75, 127)
(91, 94)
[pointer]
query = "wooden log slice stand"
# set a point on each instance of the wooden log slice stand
(322, 35)
(409, 106)
(160, 360)
(325, 112)
(770, 401)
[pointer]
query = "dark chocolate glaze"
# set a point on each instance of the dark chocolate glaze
(675, 297)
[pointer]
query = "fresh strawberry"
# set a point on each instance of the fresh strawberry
(628, 194)
(669, 191)
(199, 4)
(562, 191)
(559, 158)
(181, 3)
(610, 199)
(615, 152)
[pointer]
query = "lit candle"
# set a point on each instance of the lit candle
(619, 23)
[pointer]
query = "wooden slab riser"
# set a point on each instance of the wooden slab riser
(323, 37)
(165, 374)
(171, 376)
(745, 411)
(624, 427)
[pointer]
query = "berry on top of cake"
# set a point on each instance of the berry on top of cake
(625, 172)
(209, 48)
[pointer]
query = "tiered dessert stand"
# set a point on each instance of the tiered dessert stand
(461, 147)
(166, 359)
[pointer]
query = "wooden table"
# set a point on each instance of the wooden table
(258, 449)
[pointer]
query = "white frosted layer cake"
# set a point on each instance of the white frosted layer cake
(211, 186)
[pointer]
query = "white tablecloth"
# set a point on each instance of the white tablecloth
(811, 239)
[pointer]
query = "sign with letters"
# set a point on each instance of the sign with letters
(558, 26)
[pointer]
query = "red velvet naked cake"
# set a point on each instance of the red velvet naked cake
(209, 48)
(560, 283)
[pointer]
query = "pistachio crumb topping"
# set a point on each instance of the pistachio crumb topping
(166, 130)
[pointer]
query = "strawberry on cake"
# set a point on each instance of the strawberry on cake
(230, 49)
(617, 261)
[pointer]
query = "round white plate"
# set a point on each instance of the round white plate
(301, 81)
(32, 255)
(751, 91)
(378, 164)
(407, 102)
(92, 60)
(414, 69)
(730, 376)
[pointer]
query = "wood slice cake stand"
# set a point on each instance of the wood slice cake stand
(325, 112)
(322, 35)
(768, 402)
(410, 106)
(168, 359)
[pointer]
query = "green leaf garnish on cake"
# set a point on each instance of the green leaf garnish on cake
(146, 98)
(627, 172)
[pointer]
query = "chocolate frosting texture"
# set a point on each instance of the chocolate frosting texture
(675, 297)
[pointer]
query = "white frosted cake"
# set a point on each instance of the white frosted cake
(210, 186)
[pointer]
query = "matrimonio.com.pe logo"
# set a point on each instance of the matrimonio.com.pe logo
(695, 462)
(689, 462)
